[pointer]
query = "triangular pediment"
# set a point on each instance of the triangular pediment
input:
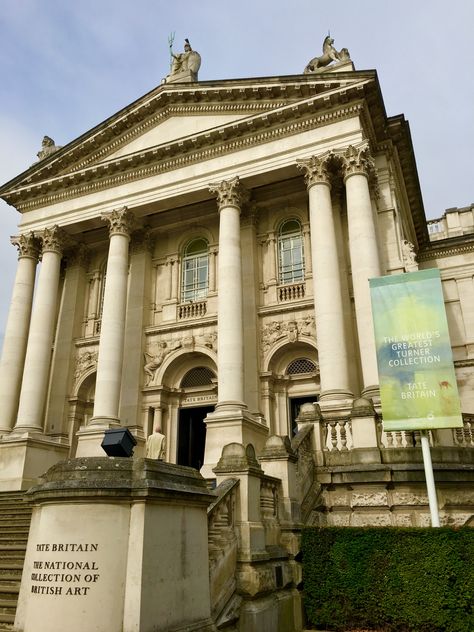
(176, 119)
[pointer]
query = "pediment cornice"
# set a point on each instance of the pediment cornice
(231, 96)
(296, 117)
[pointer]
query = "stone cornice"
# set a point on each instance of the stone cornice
(160, 160)
(447, 248)
(212, 96)
(271, 124)
(463, 363)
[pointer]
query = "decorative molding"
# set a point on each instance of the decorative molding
(276, 330)
(437, 250)
(121, 221)
(85, 361)
(230, 193)
(27, 244)
(161, 104)
(188, 154)
(168, 112)
(463, 363)
(158, 350)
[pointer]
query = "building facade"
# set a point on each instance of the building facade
(200, 262)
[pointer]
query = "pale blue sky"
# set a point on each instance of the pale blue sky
(67, 65)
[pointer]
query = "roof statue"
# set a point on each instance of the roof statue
(184, 66)
(48, 147)
(329, 55)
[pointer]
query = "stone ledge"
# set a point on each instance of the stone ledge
(113, 478)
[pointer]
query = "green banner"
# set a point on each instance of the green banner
(418, 386)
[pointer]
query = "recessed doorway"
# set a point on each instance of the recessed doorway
(295, 405)
(192, 436)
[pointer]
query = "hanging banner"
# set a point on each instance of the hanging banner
(418, 386)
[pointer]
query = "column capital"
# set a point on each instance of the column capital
(53, 239)
(357, 160)
(230, 193)
(27, 244)
(121, 221)
(315, 170)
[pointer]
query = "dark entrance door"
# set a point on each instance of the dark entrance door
(192, 436)
(295, 404)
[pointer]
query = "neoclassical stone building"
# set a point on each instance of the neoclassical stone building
(200, 261)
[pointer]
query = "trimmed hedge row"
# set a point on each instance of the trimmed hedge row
(397, 579)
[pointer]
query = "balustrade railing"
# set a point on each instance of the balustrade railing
(465, 436)
(338, 435)
(222, 544)
(192, 310)
(291, 292)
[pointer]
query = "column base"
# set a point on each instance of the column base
(371, 391)
(25, 457)
(230, 424)
(336, 395)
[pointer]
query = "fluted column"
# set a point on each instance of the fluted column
(40, 339)
(230, 355)
(16, 331)
(365, 262)
(111, 344)
(328, 304)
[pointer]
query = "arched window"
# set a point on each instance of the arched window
(301, 365)
(199, 376)
(195, 271)
(290, 252)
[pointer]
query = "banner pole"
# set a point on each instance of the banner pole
(430, 483)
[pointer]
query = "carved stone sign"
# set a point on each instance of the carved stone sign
(117, 544)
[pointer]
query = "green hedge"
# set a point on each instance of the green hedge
(397, 579)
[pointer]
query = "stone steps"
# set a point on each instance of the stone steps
(15, 517)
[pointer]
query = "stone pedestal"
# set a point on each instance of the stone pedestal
(230, 425)
(117, 545)
(24, 458)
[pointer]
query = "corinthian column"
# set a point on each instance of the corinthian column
(16, 331)
(109, 363)
(40, 339)
(231, 422)
(365, 262)
(328, 304)
(230, 354)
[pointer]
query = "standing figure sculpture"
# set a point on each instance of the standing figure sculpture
(184, 65)
(329, 55)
